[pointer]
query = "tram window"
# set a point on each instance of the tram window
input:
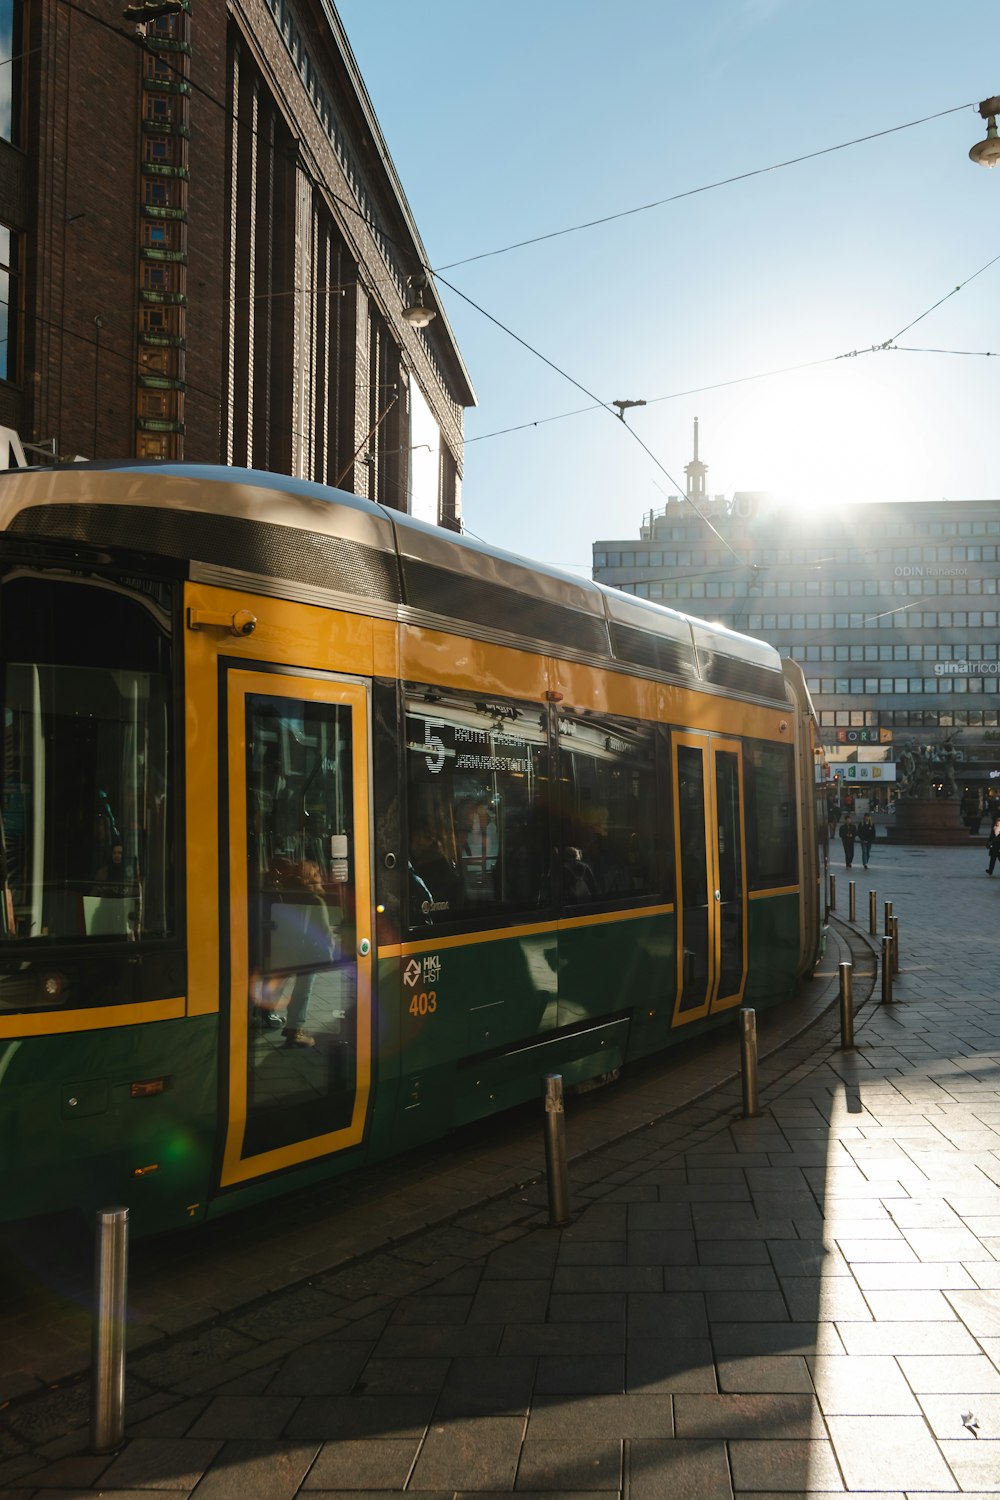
(477, 807)
(769, 779)
(87, 765)
(609, 834)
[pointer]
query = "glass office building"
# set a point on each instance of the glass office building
(891, 609)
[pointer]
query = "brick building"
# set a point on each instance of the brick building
(207, 253)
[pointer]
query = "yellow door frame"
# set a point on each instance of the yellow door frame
(710, 746)
(242, 682)
(719, 746)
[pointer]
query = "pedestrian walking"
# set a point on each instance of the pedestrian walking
(993, 846)
(848, 835)
(971, 811)
(866, 837)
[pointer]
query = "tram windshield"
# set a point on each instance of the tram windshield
(85, 849)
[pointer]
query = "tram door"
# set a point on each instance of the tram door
(299, 921)
(711, 874)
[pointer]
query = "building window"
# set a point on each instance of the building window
(9, 303)
(10, 69)
(159, 107)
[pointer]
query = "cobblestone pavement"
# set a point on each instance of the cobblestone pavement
(803, 1303)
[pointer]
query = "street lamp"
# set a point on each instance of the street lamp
(987, 153)
(624, 406)
(417, 315)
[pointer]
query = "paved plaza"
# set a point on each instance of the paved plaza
(803, 1303)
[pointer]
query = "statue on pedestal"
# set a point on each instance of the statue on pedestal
(918, 767)
(905, 767)
(946, 757)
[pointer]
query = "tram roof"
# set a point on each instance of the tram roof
(406, 563)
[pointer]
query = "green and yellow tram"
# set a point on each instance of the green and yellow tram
(325, 831)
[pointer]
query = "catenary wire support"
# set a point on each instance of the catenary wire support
(852, 900)
(748, 1062)
(895, 945)
(847, 1007)
(887, 970)
(833, 893)
(107, 1393)
(873, 913)
(555, 1150)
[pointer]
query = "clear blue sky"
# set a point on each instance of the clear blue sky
(507, 121)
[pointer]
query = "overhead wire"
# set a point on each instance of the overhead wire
(978, 353)
(707, 187)
(887, 346)
(605, 405)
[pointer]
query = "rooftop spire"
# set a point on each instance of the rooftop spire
(695, 470)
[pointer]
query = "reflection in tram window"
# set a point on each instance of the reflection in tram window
(607, 771)
(302, 1054)
(85, 837)
(769, 773)
(730, 872)
(477, 807)
(693, 875)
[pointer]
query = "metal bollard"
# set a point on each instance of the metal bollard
(748, 1061)
(873, 912)
(888, 919)
(852, 901)
(107, 1392)
(895, 945)
(847, 1007)
(887, 971)
(555, 1150)
(833, 893)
